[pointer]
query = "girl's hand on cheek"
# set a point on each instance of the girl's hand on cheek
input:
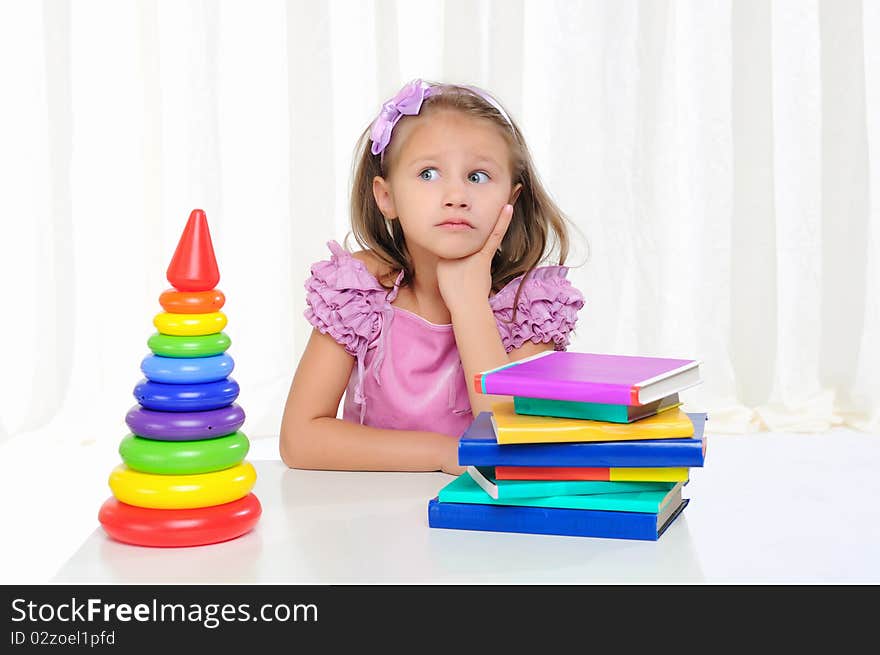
(469, 280)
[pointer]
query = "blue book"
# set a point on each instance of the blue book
(567, 522)
(478, 447)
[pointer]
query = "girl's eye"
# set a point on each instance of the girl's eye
(478, 177)
(429, 174)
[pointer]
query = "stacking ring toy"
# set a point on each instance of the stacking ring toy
(193, 346)
(183, 370)
(186, 325)
(182, 491)
(184, 426)
(192, 302)
(183, 457)
(186, 397)
(171, 528)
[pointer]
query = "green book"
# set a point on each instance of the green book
(484, 476)
(464, 489)
(592, 411)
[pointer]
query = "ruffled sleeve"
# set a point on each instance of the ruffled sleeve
(546, 311)
(345, 300)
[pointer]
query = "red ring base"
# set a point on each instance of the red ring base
(177, 528)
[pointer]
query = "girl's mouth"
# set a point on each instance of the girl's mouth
(456, 224)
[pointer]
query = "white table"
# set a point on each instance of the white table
(767, 508)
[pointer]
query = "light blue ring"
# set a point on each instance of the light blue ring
(187, 370)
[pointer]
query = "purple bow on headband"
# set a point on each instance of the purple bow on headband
(407, 102)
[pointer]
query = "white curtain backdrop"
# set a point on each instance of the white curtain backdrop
(720, 160)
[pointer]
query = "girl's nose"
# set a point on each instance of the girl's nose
(456, 197)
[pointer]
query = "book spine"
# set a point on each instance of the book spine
(574, 473)
(499, 383)
(592, 431)
(568, 409)
(545, 488)
(611, 502)
(541, 520)
(527, 489)
(658, 453)
(553, 473)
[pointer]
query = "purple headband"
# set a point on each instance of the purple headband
(408, 102)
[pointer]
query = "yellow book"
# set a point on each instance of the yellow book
(511, 427)
(636, 474)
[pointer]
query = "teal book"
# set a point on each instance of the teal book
(607, 412)
(463, 489)
(484, 476)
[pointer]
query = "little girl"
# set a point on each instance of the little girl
(454, 222)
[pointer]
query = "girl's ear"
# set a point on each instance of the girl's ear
(382, 195)
(515, 193)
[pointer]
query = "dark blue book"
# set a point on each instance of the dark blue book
(478, 447)
(644, 526)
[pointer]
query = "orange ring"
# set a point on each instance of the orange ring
(192, 302)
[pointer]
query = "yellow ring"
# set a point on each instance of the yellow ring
(189, 325)
(182, 491)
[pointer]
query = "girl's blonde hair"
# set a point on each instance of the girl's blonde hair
(536, 218)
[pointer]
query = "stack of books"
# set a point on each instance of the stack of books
(592, 445)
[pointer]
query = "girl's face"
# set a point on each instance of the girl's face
(448, 182)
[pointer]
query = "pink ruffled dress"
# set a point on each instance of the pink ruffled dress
(409, 374)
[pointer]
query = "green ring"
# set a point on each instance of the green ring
(205, 345)
(183, 457)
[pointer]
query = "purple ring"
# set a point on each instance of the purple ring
(184, 426)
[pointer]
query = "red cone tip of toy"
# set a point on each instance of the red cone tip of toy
(193, 266)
